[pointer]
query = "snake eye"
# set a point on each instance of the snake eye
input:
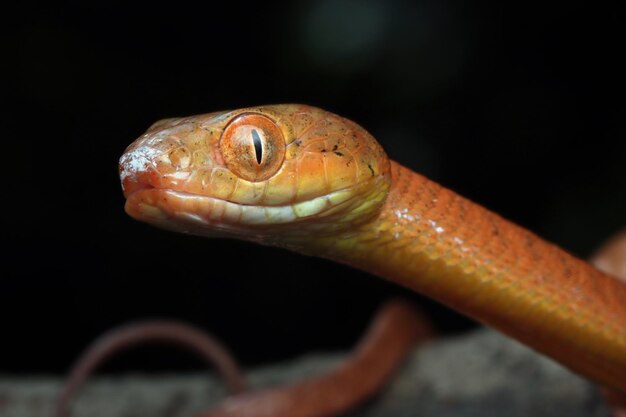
(253, 147)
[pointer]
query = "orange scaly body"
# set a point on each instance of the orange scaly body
(437, 243)
(332, 192)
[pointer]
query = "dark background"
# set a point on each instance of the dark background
(518, 106)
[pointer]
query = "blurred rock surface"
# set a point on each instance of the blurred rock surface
(480, 374)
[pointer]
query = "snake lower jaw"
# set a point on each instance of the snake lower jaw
(276, 225)
(172, 210)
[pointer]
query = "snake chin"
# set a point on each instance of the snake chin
(210, 216)
(214, 217)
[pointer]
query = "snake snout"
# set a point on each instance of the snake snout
(155, 156)
(137, 170)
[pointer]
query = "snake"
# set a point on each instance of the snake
(305, 179)
(394, 331)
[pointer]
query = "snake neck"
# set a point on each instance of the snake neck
(437, 243)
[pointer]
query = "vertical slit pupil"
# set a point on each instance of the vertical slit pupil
(258, 146)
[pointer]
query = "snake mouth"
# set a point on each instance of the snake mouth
(131, 188)
(207, 215)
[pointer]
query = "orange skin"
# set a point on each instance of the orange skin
(394, 331)
(336, 195)
(159, 331)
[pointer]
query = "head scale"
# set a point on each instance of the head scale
(265, 173)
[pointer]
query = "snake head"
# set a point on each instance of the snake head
(259, 173)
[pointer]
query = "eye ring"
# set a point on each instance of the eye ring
(253, 147)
